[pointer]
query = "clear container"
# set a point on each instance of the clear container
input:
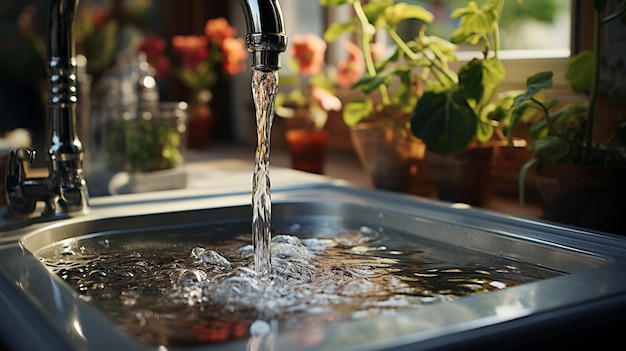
(146, 137)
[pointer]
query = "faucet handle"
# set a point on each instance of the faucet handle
(16, 174)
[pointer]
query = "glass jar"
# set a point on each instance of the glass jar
(145, 137)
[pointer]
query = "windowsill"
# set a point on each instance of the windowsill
(344, 165)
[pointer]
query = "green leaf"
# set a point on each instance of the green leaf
(470, 9)
(580, 71)
(484, 131)
(479, 79)
(539, 129)
(569, 116)
(356, 111)
(444, 121)
(375, 10)
(551, 148)
(493, 75)
(370, 83)
(519, 111)
(502, 105)
(404, 96)
(539, 81)
(328, 3)
(337, 29)
(535, 84)
(471, 80)
(475, 22)
(403, 11)
(526, 110)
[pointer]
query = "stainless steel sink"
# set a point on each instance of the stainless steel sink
(41, 312)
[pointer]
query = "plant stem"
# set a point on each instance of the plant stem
(496, 33)
(413, 56)
(597, 28)
(593, 98)
(546, 112)
(367, 52)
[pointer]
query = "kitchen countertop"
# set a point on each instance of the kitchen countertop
(222, 164)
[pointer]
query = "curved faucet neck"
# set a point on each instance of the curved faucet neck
(266, 37)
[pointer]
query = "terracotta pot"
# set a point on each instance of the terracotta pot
(199, 126)
(305, 140)
(507, 162)
(465, 176)
(307, 148)
(590, 197)
(393, 161)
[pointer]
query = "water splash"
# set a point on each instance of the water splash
(264, 90)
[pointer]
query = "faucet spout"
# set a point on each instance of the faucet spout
(64, 190)
(266, 37)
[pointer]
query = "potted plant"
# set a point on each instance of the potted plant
(387, 89)
(304, 101)
(415, 91)
(582, 179)
(202, 58)
(458, 117)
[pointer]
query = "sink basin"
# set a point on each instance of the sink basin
(40, 311)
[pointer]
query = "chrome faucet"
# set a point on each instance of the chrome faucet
(64, 190)
(266, 37)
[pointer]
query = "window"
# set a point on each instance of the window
(535, 35)
(526, 25)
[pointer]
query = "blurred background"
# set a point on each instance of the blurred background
(106, 27)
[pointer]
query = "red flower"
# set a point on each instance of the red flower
(218, 29)
(235, 55)
(351, 69)
(100, 17)
(308, 50)
(152, 45)
(154, 48)
(193, 48)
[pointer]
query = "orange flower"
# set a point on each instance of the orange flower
(235, 55)
(193, 48)
(351, 69)
(218, 29)
(308, 50)
(204, 56)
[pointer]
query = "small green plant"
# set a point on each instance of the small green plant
(456, 109)
(139, 145)
(563, 134)
(392, 85)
